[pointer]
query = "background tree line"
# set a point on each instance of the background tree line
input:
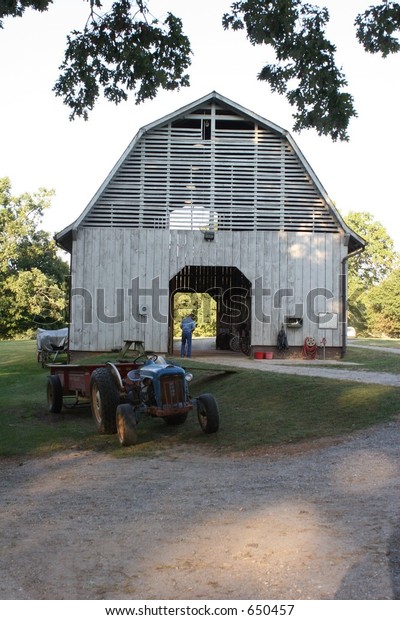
(203, 310)
(33, 277)
(374, 280)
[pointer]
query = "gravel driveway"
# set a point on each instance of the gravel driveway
(317, 368)
(205, 347)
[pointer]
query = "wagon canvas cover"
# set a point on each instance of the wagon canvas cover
(52, 339)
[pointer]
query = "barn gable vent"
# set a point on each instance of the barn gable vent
(212, 168)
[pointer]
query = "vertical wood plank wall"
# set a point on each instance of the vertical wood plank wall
(106, 263)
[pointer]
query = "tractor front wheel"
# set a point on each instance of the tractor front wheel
(126, 425)
(207, 413)
(104, 400)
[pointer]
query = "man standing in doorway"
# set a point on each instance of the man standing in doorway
(188, 326)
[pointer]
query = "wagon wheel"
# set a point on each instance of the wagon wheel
(104, 400)
(207, 413)
(234, 344)
(54, 394)
(245, 345)
(126, 425)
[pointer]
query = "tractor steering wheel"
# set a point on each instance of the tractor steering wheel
(146, 356)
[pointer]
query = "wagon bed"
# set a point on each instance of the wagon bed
(74, 379)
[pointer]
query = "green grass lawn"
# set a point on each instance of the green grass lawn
(257, 409)
(377, 342)
(374, 360)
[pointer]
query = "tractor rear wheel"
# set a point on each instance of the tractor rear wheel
(104, 400)
(54, 394)
(207, 413)
(126, 425)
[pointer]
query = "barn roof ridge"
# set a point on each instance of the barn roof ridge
(181, 112)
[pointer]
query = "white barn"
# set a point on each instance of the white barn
(211, 198)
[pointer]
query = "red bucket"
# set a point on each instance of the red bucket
(259, 355)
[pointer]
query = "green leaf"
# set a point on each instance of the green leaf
(376, 27)
(119, 52)
(306, 71)
(33, 278)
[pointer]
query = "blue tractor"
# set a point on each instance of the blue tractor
(153, 387)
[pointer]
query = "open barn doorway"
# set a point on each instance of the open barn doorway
(220, 300)
(203, 308)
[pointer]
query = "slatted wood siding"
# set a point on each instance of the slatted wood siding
(212, 169)
(105, 261)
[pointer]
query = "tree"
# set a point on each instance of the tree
(127, 49)
(203, 309)
(379, 257)
(306, 70)
(119, 51)
(368, 269)
(33, 278)
(383, 307)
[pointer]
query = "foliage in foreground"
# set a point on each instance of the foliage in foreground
(257, 410)
(127, 49)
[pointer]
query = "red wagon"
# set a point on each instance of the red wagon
(74, 381)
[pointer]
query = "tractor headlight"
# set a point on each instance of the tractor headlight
(188, 377)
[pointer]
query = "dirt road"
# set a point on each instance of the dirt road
(319, 521)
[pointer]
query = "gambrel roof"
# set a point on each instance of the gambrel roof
(213, 164)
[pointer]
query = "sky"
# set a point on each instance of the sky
(41, 147)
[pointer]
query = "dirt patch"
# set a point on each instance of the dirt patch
(317, 521)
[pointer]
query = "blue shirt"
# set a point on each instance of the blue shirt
(188, 325)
